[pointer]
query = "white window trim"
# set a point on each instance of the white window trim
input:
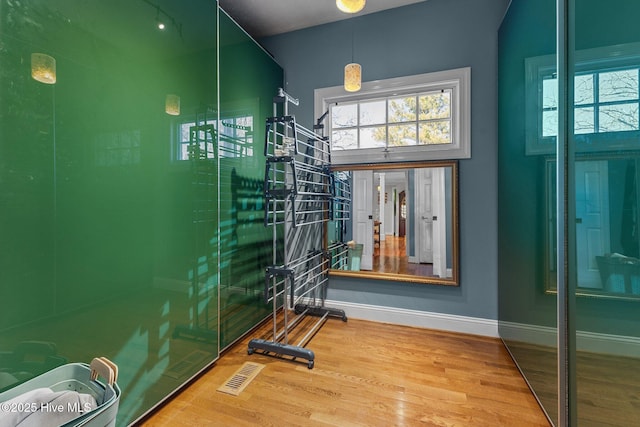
(590, 60)
(459, 80)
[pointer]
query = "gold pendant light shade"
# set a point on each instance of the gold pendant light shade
(352, 77)
(350, 6)
(172, 105)
(43, 68)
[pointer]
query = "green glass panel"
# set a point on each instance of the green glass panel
(101, 254)
(603, 249)
(527, 108)
(249, 80)
(116, 190)
(604, 202)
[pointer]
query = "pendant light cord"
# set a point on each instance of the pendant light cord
(353, 32)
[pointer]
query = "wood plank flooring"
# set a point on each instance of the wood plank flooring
(608, 386)
(391, 257)
(365, 374)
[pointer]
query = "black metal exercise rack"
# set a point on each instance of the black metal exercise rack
(298, 189)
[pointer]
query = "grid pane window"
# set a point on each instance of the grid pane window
(584, 93)
(373, 137)
(344, 116)
(435, 132)
(396, 121)
(618, 117)
(402, 109)
(605, 101)
(372, 113)
(198, 134)
(435, 105)
(236, 137)
(583, 120)
(346, 139)
(402, 135)
(618, 86)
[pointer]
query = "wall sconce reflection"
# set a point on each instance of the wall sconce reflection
(43, 68)
(172, 105)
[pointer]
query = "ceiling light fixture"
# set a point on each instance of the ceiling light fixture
(353, 70)
(163, 19)
(160, 24)
(352, 77)
(350, 6)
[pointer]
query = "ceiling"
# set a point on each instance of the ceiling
(261, 18)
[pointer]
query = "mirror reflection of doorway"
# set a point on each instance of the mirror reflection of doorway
(384, 221)
(391, 218)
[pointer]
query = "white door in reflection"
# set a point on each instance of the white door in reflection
(592, 219)
(424, 215)
(438, 210)
(363, 214)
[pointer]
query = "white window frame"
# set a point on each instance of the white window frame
(595, 60)
(458, 80)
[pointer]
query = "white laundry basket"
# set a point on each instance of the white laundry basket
(77, 377)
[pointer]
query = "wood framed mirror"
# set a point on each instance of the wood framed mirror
(401, 223)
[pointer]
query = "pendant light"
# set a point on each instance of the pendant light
(352, 77)
(353, 70)
(350, 6)
(43, 68)
(172, 105)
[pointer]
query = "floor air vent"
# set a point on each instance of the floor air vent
(241, 379)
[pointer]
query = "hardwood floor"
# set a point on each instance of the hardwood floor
(391, 257)
(608, 386)
(365, 374)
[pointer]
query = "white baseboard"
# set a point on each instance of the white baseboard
(537, 335)
(618, 345)
(421, 319)
(592, 342)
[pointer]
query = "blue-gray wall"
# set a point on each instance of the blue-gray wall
(429, 36)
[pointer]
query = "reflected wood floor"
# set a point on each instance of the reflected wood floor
(608, 386)
(391, 257)
(365, 374)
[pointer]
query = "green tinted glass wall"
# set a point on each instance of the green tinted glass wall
(109, 220)
(527, 302)
(601, 251)
(604, 202)
(249, 81)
